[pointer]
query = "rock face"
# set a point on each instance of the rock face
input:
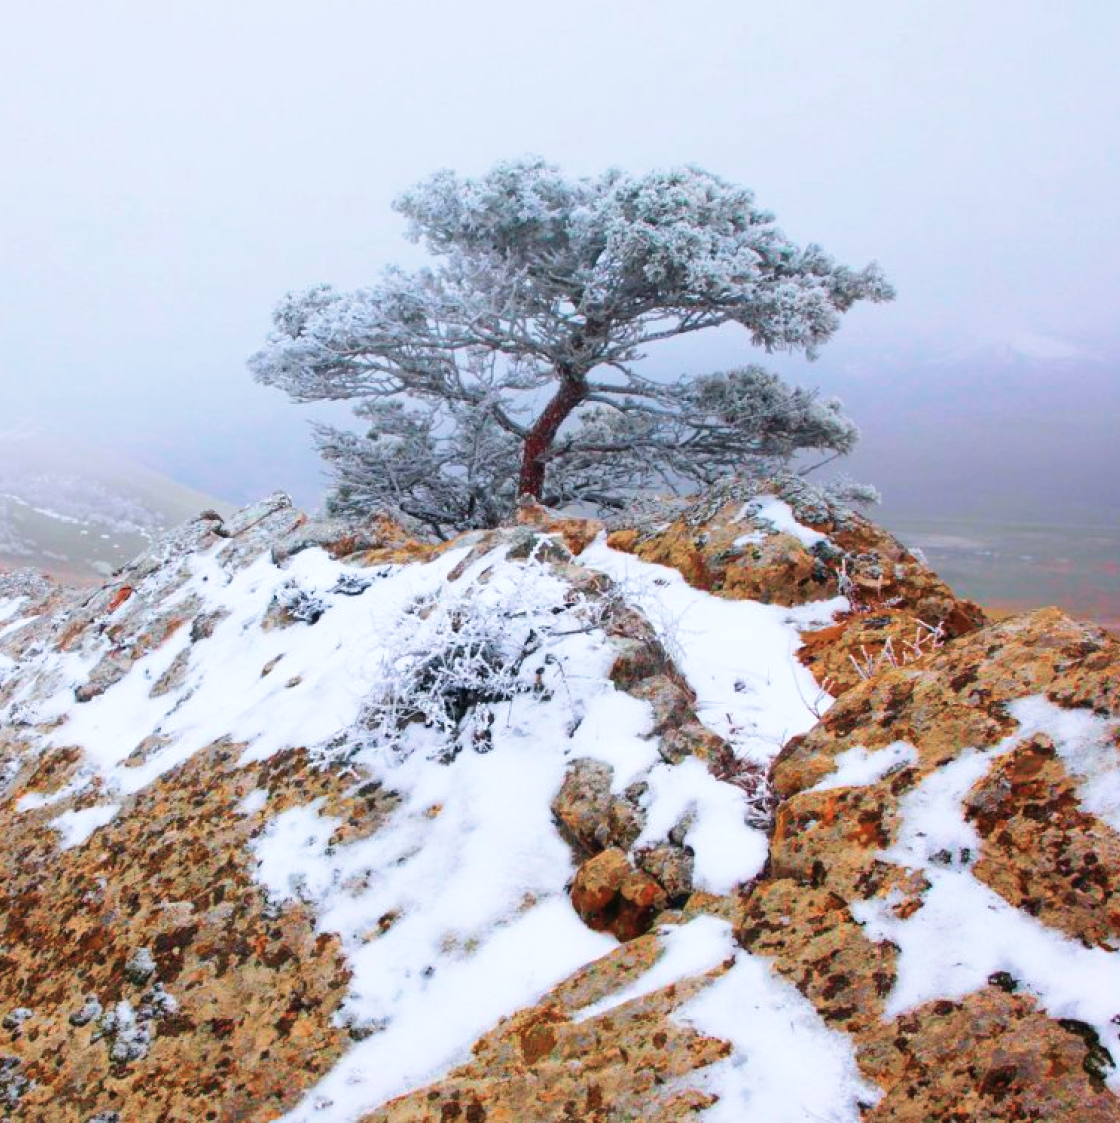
(793, 546)
(542, 1064)
(844, 851)
(608, 893)
(238, 997)
(203, 855)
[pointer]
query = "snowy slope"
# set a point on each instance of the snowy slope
(465, 884)
(465, 686)
(78, 511)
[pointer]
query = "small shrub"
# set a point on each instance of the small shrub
(453, 659)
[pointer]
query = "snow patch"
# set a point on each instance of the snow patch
(787, 1066)
(737, 655)
(964, 932)
(687, 950)
(253, 802)
(859, 767)
(10, 608)
(77, 826)
(727, 851)
(779, 514)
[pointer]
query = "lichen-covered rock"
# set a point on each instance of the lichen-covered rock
(542, 1064)
(816, 943)
(589, 813)
(989, 1057)
(959, 699)
(861, 645)
(376, 539)
(843, 850)
(611, 895)
(242, 1011)
(577, 534)
(1041, 851)
(670, 866)
(784, 542)
(163, 983)
(146, 974)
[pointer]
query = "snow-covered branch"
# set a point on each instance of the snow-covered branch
(546, 292)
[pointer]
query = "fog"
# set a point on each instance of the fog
(169, 171)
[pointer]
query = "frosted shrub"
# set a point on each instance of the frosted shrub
(454, 660)
(298, 604)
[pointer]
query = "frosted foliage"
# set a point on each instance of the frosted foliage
(547, 285)
(446, 465)
(453, 659)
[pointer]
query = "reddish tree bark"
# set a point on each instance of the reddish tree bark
(543, 433)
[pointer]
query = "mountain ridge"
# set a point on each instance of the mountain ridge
(320, 821)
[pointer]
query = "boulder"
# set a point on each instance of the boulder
(611, 895)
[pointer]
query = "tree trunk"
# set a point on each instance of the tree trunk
(543, 433)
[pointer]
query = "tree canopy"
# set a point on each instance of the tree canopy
(510, 367)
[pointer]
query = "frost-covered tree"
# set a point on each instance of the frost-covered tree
(511, 367)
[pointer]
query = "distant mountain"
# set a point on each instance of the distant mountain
(80, 512)
(1021, 429)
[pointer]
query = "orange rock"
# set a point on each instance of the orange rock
(989, 1056)
(610, 895)
(631, 1062)
(1041, 850)
(577, 533)
(119, 597)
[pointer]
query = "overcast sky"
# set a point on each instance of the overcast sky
(167, 171)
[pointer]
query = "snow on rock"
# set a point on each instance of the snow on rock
(860, 766)
(469, 860)
(451, 907)
(967, 891)
(468, 871)
(787, 1066)
(9, 608)
(388, 774)
(737, 655)
(777, 1035)
(691, 949)
(779, 514)
(727, 851)
(75, 827)
(964, 933)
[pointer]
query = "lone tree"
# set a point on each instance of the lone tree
(509, 369)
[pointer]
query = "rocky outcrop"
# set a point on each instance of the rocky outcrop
(148, 972)
(548, 1063)
(144, 969)
(788, 543)
(989, 1057)
(993, 705)
(1040, 849)
(238, 998)
(611, 895)
(145, 973)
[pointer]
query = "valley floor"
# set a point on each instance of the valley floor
(1015, 567)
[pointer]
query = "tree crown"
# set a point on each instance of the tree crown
(545, 281)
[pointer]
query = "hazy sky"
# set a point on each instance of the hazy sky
(169, 170)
